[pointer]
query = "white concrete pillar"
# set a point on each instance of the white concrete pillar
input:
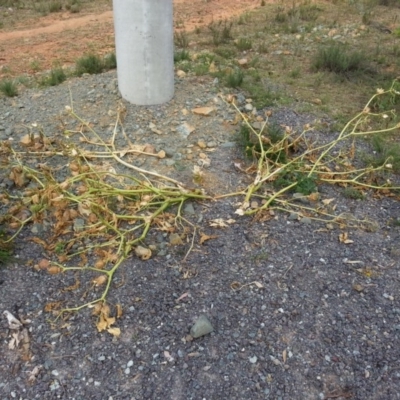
(144, 41)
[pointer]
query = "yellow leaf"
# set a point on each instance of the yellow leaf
(54, 270)
(100, 280)
(114, 331)
(204, 237)
(142, 252)
(97, 308)
(119, 310)
(326, 202)
(343, 238)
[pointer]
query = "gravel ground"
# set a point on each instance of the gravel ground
(296, 314)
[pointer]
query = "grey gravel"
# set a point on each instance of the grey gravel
(310, 333)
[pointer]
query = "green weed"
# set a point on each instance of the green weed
(337, 58)
(353, 193)
(181, 55)
(110, 61)
(234, 79)
(8, 87)
(181, 40)
(55, 6)
(89, 64)
(56, 77)
(221, 32)
(244, 44)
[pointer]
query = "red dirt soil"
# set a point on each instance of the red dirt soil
(40, 43)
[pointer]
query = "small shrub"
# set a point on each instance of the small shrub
(89, 64)
(73, 6)
(352, 193)
(182, 55)
(244, 44)
(221, 32)
(281, 17)
(336, 58)
(181, 40)
(56, 77)
(110, 61)
(225, 52)
(55, 6)
(262, 48)
(272, 134)
(385, 152)
(8, 88)
(295, 73)
(234, 79)
(201, 69)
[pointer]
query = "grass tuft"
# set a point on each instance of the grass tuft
(89, 64)
(337, 58)
(9, 88)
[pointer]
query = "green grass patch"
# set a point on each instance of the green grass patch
(339, 59)
(244, 44)
(9, 88)
(89, 64)
(55, 77)
(234, 79)
(181, 55)
(221, 32)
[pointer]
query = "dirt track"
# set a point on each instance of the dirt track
(39, 43)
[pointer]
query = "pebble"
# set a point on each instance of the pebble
(306, 220)
(201, 327)
(189, 209)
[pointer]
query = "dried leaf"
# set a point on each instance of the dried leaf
(343, 238)
(142, 252)
(161, 154)
(44, 263)
(114, 331)
(236, 285)
(204, 237)
(357, 287)
(54, 270)
(13, 323)
(100, 264)
(182, 296)
(100, 280)
(119, 310)
(326, 202)
(34, 373)
(97, 308)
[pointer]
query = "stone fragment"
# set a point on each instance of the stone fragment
(203, 110)
(185, 129)
(201, 327)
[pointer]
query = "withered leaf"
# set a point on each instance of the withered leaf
(119, 310)
(100, 280)
(142, 252)
(114, 331)
(204, 237)
(53, 270)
